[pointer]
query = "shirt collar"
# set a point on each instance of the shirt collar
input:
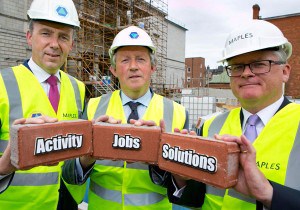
(39, 73)
(144, 100)
(265, 114)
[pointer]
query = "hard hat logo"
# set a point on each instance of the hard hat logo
(62, 11)
(134, 35)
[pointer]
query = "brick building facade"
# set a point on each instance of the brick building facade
(290, 26)
(195, 72)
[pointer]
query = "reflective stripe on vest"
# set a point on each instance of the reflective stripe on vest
(137, 165)
(215, 191)
(129, 199)
(293, 168)
(120, 163)
(167, 103)
(77, 95)
(168, 113)
(214, 128)
(221, 192)
(3, 145)
(217, 124)
(240, 196)
(34, 179)
(13, 93)
(102, 106)
(117, 163)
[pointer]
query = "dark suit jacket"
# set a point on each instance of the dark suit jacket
(193, 195)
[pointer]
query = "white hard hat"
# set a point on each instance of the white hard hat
(253, 36)
(61, 11)
(131, 36)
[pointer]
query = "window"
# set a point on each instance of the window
(188, 79)
(188, 69)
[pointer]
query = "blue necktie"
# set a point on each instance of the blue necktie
(251, 132)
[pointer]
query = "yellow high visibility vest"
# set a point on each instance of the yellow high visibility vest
(277, 149)
(21, 95)
(123, 185)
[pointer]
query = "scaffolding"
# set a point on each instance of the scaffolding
(100, 21)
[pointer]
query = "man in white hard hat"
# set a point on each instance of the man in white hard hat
(267, 123)
(39, 92)
(121, 184)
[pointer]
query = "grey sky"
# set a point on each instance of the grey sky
(210, 21)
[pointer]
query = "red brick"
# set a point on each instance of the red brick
(32, 145)
(144, 150)
(206, 160)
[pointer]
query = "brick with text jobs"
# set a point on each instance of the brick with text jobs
(126, 142)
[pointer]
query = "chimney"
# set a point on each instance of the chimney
(256, 9)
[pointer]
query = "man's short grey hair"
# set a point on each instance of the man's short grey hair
(153, 59)
(30, 25)
(277, 51)
(281, 54)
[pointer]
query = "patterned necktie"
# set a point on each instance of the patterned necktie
(251, 132)
(53, 92)
(134, 114)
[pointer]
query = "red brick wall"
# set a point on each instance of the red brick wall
(197, 72)
(290, 26)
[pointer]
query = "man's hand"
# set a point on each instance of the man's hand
(141, 122)
(251, 181)
(36, 120)
(176, 130)
(107, 119)
(5, 164)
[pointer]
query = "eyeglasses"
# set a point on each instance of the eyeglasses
(257, 67)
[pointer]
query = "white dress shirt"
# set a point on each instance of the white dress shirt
(265, 115)
(42, 76)
(144, 100)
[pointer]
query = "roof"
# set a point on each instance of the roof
(220, 78)
(281, 16)
(175, 22)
